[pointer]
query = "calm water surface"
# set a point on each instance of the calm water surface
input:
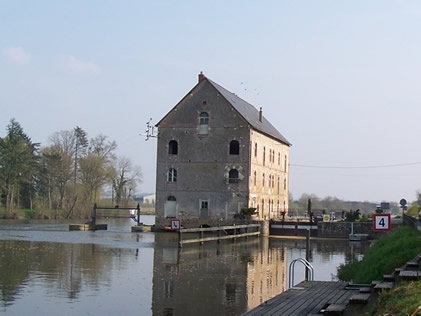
(47, 270)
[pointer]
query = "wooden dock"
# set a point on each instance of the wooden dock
(317, 298)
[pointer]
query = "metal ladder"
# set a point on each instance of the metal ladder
(308, 266)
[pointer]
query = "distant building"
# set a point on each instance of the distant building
(149, 199)
(216, 154)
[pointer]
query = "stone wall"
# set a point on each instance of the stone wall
(343, 229)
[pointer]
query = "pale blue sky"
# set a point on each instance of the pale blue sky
(339, 79)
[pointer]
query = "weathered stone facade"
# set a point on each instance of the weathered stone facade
(216, 154)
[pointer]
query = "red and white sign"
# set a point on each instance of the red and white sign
(175, 224)
(381, 222)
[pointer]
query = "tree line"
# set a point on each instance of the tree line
(67, 176)
(333, 204)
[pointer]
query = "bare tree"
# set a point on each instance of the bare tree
(125, 178)
(96, 166)
(63, 148)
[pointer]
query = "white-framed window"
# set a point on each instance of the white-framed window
(203, 123)
(172, 175)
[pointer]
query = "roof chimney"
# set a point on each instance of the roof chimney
(201, 77)
(260, 115)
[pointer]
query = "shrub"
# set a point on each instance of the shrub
(246, 213)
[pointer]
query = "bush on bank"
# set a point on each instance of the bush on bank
(386, 254)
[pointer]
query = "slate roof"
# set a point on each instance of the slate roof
(246, 110)
(250, 114)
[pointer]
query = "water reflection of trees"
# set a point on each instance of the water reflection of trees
(65, 270)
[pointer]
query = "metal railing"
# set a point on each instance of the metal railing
(237, 231)
(309, 271)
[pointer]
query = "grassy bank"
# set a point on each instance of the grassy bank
(386, 254)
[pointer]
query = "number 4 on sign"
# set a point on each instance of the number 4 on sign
(381, 222)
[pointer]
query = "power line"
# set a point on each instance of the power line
(356, 167)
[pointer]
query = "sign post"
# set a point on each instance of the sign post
(402, 202)
(175, 224)
(381, 222)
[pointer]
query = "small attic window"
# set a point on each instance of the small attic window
(204, 118)
(203, 123)
(204, 102)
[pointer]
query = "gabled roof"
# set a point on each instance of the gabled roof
(250, 114)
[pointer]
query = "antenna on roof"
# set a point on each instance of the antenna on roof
(150, 130)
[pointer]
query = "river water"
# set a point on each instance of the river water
(45, 269)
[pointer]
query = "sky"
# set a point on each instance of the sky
(339, 79)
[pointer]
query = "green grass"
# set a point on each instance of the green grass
(403, 299)
(386, 254)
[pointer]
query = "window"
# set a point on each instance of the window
(173, 148)
(285, 184)
(264, 155)
(255, 149)
(263, 180)
(254, 178)
(204, 203)
(204, 118)
(233, 176)
(172, 175)
(285, 164)
(279, 159)
(203, 123)
(234, 147)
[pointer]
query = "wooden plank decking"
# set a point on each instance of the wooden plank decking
(308, 298)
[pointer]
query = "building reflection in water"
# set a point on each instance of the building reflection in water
(216, 279)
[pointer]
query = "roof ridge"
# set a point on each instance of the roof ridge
(248, 111)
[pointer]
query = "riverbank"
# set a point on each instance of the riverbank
(387, 281)
(145, 209)
(385, 259)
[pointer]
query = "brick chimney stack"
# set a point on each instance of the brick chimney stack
(201, 77)
(261, 115)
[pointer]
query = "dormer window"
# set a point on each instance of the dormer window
(203, 123)
(173, 148)
(234, 147)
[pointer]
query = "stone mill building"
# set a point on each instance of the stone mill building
(216, 153)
